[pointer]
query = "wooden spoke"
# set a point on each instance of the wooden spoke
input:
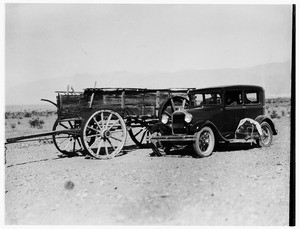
(74, 145)
(138, 135)
(91, 128)
(108, 120)
(99, 147)
(183, 103)
(116, 138)
(66, 146)
(71, 125)
(167, 113)
(97, 123)
(92, 136)
(102, 119)
(111, 144)
(143, 136)
(106, 150)
(64, 126)
(172, 105)
(113, 125)
(138, 132)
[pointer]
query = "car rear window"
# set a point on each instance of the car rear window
(251, 98)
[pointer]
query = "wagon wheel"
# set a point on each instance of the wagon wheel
(67, 143)
(104, 134)
(140, 134)
(172, 104)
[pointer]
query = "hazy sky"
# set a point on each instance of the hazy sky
(54, 40)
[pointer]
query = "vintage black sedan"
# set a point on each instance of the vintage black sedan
(212, 115)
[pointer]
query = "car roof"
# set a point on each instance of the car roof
(229, 87)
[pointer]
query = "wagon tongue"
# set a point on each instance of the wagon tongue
(31, 136)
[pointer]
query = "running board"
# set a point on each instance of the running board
(191, 138)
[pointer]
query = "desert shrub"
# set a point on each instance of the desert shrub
(282, 113)
(274, 114)
(13, 125)
(19, 122)
(7, 115)
(50, 113)
(36, 123)
(27, 114)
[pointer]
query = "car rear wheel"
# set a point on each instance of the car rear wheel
(205, 142)
(267, 136)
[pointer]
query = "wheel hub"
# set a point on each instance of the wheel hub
(105, 134)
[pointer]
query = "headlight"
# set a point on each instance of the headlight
(188, 118)
(165, 119)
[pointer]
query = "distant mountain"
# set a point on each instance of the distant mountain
(274, 77)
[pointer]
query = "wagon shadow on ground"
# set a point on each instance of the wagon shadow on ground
(177, 152)
(126, 150)
(40, 160)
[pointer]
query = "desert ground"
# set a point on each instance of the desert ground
(238, 185)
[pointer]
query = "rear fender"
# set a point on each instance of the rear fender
(263, 118)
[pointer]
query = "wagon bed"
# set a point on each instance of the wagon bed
(128, 102)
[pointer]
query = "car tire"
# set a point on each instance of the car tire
(204, 142)
(267, 138)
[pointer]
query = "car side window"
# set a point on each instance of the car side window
(251, 98)
(233, 98)
(206, 99)
(212, 98)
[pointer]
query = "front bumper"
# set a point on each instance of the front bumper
(172, 138)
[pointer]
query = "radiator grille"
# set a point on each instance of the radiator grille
(179, 125)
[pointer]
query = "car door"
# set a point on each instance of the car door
(233, 112)
(253, 103)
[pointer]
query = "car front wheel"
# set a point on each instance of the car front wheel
(205, 142)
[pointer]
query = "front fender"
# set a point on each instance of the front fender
(263, 118)
(200, 124)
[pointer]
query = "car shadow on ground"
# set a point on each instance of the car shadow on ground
(223, 147)
(188, 151)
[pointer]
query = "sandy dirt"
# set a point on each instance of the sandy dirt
(237, 185)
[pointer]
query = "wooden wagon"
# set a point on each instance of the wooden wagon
(97, 120)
